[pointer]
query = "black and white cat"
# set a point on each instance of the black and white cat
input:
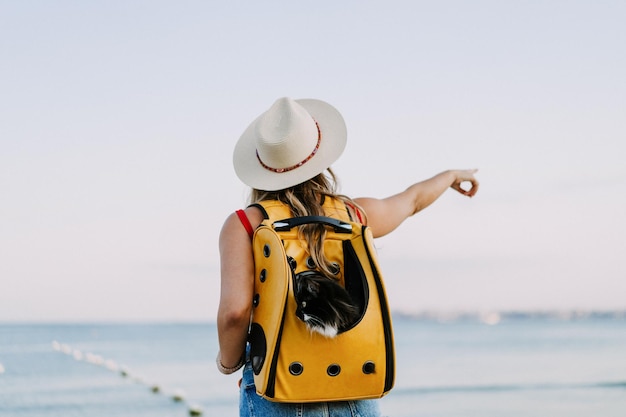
(323, 304)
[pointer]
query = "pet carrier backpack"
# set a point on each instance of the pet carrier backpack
(293, 364)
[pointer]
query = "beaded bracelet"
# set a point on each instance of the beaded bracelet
(225, 370)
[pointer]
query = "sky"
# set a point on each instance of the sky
(118, 120)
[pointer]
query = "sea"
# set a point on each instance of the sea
(513, 365)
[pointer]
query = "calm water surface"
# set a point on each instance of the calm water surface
(519, 367)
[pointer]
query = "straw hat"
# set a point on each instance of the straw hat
(292, 142)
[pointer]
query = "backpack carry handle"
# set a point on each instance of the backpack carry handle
(287, 224)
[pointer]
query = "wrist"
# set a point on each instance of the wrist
(229, 370)
(450, 176)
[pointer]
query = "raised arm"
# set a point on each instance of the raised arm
(385, 215)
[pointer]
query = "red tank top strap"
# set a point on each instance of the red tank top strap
(245, 222)
(356, 211)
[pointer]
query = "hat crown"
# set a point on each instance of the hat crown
(290, 143)
(286, 134)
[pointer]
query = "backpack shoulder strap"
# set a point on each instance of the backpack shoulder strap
(273, 210)
(337, 209)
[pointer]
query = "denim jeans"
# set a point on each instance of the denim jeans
(253, 405)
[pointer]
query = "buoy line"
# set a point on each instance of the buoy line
(177, 395)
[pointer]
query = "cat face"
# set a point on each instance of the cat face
(323, 304)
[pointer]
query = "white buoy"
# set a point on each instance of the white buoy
(195, 410)
(56, 346)
(124, 372)
(78, 355)
(93, 358)
(178, 395)
(67, 349)
(1, 369)
(111, 365)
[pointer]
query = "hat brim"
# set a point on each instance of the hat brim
(333, 142)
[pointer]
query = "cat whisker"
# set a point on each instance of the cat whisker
(315, 324)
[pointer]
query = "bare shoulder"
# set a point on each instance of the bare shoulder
(369, 205)
(255, 216)
(233, 226)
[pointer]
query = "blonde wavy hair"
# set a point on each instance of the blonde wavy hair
(306, 199)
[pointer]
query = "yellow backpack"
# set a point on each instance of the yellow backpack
(293, 364)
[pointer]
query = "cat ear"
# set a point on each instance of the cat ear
(313, 287)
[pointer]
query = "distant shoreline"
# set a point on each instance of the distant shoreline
(496, 316)
(440, 316)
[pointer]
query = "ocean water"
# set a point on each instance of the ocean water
(521, 366)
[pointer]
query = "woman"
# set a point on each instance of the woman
(286, 154)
